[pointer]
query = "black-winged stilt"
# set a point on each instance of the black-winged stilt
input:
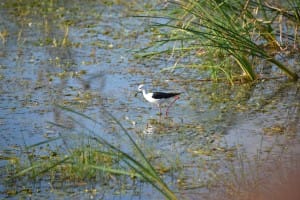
(159, 98)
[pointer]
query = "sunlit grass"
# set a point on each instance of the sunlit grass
(245, 33)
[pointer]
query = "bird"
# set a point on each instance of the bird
(158, 98)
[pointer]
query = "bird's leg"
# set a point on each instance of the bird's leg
(159, 110)
(175, 99)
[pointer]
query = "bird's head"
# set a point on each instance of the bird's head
(140, 89)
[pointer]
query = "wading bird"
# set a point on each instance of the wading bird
(158, 98)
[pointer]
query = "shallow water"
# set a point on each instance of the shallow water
(95, 68)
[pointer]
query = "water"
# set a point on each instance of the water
(94, 67)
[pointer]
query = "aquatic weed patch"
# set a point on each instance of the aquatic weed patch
(231, 39)
(86, 157)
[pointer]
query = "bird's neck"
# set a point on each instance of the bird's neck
(144, 92)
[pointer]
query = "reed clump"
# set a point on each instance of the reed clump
(228, 37)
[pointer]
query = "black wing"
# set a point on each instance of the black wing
(163, 95)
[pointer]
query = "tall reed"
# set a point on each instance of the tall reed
(244, 31)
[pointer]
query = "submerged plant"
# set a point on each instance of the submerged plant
(242, 32)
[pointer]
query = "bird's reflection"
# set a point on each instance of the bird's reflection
(160, 125)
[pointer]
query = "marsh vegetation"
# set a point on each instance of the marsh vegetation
(71, 126)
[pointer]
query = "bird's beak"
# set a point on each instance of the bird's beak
(136, 94)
